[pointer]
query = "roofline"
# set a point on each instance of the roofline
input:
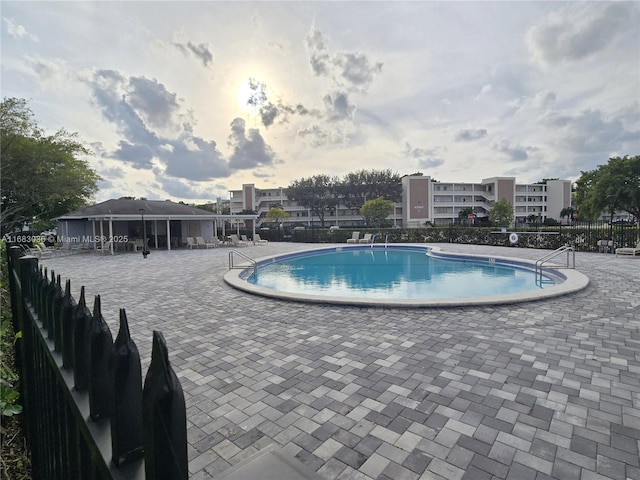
(115, 216)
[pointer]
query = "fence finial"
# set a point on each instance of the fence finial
(100, 349)
(81, 355)
(127, 442)
(165, 422)
(68, 308)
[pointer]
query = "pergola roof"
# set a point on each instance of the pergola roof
(124, 209)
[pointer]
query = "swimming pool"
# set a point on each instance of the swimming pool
(400, 275)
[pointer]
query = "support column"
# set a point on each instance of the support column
(168, 234)
(155, 232)
(111, 235)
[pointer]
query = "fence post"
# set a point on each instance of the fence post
(100, 347)
(66, 325)
(41, 286)
(81, 355)
(50, 307)
(57, 318)
(126, 422)
(165, 421)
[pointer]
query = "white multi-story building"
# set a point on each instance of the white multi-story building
(423, 200)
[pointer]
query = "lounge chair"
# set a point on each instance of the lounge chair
(138, 243)
(105, 247)
(355, 238)
(245, 239)
(236, 242)
(259, 241)
(629, 251)
(191, 243)
(201, 243)
(366, 238)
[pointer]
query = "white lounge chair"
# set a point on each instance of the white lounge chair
(191, 243)
(629, 251)
(236, 242)
(105, 247)
(366, 238)
(258, 240)
(200, 242)
(355, 238)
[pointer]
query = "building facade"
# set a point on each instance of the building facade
(424, 200)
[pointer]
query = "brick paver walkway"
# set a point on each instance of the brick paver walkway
(541, 390)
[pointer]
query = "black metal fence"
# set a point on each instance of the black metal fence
(583, 236)
(86, 412)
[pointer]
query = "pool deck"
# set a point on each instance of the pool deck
(539, 390)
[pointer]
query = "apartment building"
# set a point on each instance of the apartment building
(423, 200)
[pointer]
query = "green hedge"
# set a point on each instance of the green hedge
(583, 238)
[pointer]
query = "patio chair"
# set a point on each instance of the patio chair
(258, 240)
(366, 238)
(138, 243)
(629, 251)
(236, 242)
(191, 243)
(245, 239)
(201, 243)
(42, 250)
(105, 247)
(355, 238)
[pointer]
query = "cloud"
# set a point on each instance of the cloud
(249, 148)
(351, 69)
(579, 30)
(427, 158)
(179, 188)
(201, 51)
(338, 106)
(589, 132)
(124, 101)
(318, 136)
(467, 135)
(152, 100)
(18, 31)
(356, 68)
(517, 153)
(259, 100)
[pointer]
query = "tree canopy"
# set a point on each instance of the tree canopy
(276, 213)
(42, 175)
(614, 186)
(376, 211)
(501, 213)
(322, 193)
(318, 193)
(356, 187)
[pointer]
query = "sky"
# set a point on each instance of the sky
(188, 100)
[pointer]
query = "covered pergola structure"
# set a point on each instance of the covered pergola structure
(166, 224)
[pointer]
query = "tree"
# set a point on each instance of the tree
(501, 213)
(358, 186)
(318, 193)
(376, 211)
(463, 214)
(568, 212)
(610, 187)
(42, 175)
(276, 213)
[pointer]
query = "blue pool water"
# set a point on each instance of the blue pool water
(394, 273)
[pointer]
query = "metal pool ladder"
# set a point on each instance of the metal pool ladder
(248, 259)
(557, 252)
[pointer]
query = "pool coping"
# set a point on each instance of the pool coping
(572, 281)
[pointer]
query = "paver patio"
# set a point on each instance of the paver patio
(539, 390)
